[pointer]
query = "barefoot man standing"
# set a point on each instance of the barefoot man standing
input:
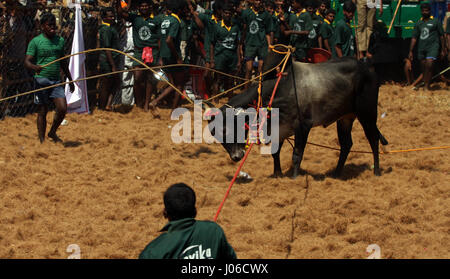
(44, 49)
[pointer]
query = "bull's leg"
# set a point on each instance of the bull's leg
(276, 162)
(372, 135)
(301, 138)
(344, 129)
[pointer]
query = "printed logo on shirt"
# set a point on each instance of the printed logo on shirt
(145, 33)
(228, 43)
(254, 27)
(425, 33)
(165, 25)
(312, 34)
(196, 252)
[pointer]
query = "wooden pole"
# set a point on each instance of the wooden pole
(393, 17)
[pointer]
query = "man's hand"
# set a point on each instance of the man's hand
(212, 65)
(38, 68)
(410, 56)
(71, 87)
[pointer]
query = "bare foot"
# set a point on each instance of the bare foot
(152, 108)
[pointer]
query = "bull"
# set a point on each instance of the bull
(311, 95)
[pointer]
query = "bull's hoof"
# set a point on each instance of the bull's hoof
(276, 175)
(377, 172)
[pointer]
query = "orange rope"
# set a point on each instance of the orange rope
(387, 152)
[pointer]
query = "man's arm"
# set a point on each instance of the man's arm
(121, 11)
(338, 50)
(29, 65)
(197, 20)
(65, 68)
(411, 48)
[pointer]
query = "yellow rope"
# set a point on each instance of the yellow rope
(384, 153)
(146, 67)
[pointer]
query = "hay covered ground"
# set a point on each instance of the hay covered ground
(102, 189)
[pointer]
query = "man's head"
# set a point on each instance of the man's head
(227, 13)
(145, 7)
(178, 7)
(310, 6)
(270, 6)
(330, 15)
(179, 202)
(425, 9)
(48, 24)
(324, 6)
(349, 9)
(107, 15)
(297, 5)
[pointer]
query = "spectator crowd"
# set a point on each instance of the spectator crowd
(230, 36)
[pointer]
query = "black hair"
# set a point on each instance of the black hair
(331, 11)
(326, 3)
(179, 202)
(349, 6)
(309, 3)
(47, 17)
(217, 6)
(425, 5)
(106, 10)
(271, 3)
(150, 2)
(176, 6)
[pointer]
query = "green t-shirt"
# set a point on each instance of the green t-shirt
(170, 26)
(344, 37)
(300, 22)
(258, 26)
(225, 40)
(109, 38)
(208, 20)
(45, 50)
(313, 37)
(189, 239)
(427, 33)
(145, 30)
(327, 33)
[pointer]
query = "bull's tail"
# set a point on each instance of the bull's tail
(382, 138)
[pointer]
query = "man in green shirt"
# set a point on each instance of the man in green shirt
(429, 36)
(344, 43)
(170, 41)
(184, 237)
(316, 19)
(326, 34)
(145, 39)
(257, 36)
(298, 27)
(43, 49)
(108, 60)
(225, 46)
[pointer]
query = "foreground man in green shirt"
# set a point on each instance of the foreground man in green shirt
(184, 237)
(43, 49)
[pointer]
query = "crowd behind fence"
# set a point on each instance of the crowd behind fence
(19, 23)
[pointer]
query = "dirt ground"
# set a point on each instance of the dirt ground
(102, 189)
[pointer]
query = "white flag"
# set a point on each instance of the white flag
(77, 101)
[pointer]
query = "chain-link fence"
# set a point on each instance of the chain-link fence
(19, 23)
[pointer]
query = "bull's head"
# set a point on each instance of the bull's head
(228, 126)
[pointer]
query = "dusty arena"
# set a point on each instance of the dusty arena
(102, 189)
